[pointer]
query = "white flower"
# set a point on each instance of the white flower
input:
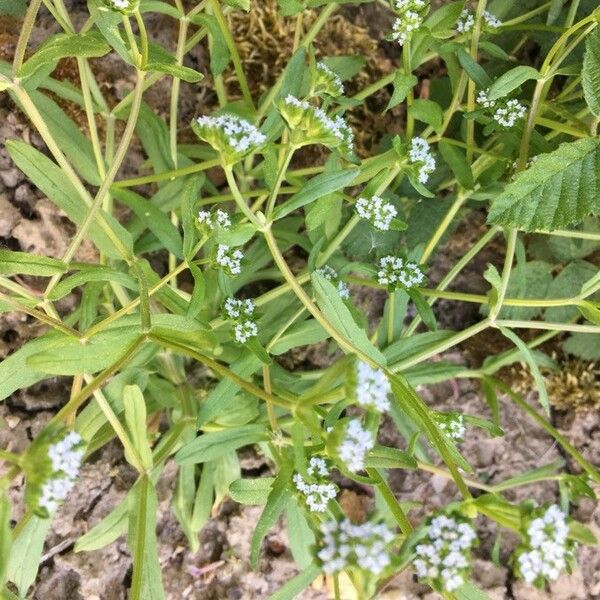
(65, 456)
(505, 112)
(316, 495)
(244, 331)
(355, 446)
(491, 20)
(230, 259)
(317, 466)
(331, 274)
(420, 154)
(120, 4)
(235, 308)
(546, 548)
(219, 219)
(372, 387)
(410, 17)
(453, 425)
(377, 211)
(230, 134)
(345, 544)
(444, 556)
(465, 22)
(329, 80)
(396, 272)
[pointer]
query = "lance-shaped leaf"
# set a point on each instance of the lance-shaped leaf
(561, 188)
(590, 76)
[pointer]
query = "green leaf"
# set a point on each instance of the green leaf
(444, 18)
(581, 534)
(427, 111)
(583, 345)
(160, 60)
(533, 366)
(16, 8)
(469, 591)
(475, 71)
(152, 218)
(389, 458)
(568, 283)
(209, 446)
(243, 4)
(62, 45)
(511, 80)
(423, 308)
(289, 8)
(91, 273)
(23, 263)
(499, 510)
(108, 22)
(26, 552)
(559, 189)
(314, 188)
(278, 498)
(297, 584)
(403, 83)
(220, 56)
(455, 158)
(146, 581)
(111, 527)
(408, 347)
(302, 334)
(251, 491)
(50, 179)
(590, 312)
(590, 75)
(300, 534)
(345, 67)
(135, 418)
(338, 315)
(5, 535)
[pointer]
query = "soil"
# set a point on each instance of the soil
(220, 570)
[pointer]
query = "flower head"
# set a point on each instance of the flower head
(372, 387)
(229, 259)
(317, 466)
(236, 308)
(345, 544)
(232, 136)
(355, 446)
(316, 125)
(545, 549)
(444, 557)
(420, 155)
(505, 112)
(124, 5)
(410, 17)
(244, 330)
(453, 425)
(377, 211)
(331, 274)
(466, 21)
(491, 20)
(65, 456)
(395, 272)
(219, 219)
(328, 81)
(320, 491)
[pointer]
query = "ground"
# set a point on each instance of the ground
(220, 569)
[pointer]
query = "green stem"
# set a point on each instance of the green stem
(506, 271)
(390, 499)
(144, 40)
(24, 35)
(547, 325)
(167, 175)
(239, 199)
(10, 457)
(280, 178)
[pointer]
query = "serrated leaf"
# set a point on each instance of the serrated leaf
(590, 75)
(251, 491)
(62, 45)
(300, 534)
(475, 71)
(301, 334)
(23, 263)
(162, 61)
(427, 111)
(219, 50)
(583, 345)
(509, 81)
(455, 158)
(337, 313)
(561, 188)
(403, 83)
(568, 283)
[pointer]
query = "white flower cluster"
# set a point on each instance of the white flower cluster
(242, 312)
(547, 547)
(120, 4)
(329, 80)
(372, 387)
(316, 123)
(409, 19)
(65, 456)
(230, 133)
(420, 154)
(219, 219)
(346, 544)
(230, 259)
(244, 331)
(236, 308)
(466, 20)
(377, 211)
(445, 558)
(316, 495)
(331, 274)
(505, 112)
(355, 446)
(453, 425)
(396, 272)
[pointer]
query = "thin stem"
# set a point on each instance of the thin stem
(444, 473)
(239, 199)
(506, 271)
(270, 408)
(547, 325)
(143, 39)
(25, 34)
(390, 499)
(289, 153)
